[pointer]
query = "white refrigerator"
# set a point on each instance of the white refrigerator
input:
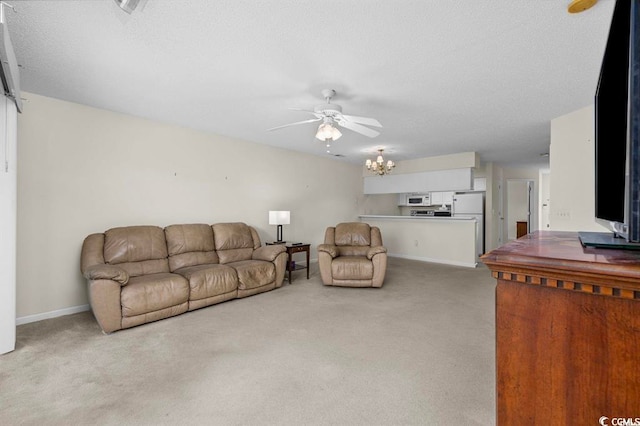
(471, 205)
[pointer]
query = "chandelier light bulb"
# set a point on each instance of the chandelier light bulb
(378, 167)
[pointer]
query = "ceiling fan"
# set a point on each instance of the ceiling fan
(330, 115)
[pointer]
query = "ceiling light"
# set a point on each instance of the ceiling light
(326, 131)
(577, 6)
(127, 5)
(378, 166)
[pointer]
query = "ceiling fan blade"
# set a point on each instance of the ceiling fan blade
(295, 124)
(306, 110)
(362, 120)
(358, 128)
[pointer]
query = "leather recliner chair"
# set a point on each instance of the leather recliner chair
(352, 256)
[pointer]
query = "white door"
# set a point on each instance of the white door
(8, 208)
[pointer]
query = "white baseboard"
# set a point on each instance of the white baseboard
(52, 314)
(426, 259)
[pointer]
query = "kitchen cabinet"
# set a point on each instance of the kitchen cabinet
(480, 184)
(421, 182)
(441, 198)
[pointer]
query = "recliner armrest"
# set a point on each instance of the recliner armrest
(268, 253)
(329, 249)
(107, 272)
(375, 250)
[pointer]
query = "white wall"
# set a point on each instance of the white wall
(572, 164)
(544, 199)
(446, 241)
(84, 170)
(8, 205)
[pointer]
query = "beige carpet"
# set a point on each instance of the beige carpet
(418, 351)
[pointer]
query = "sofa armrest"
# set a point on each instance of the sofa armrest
(375, 250)
(330, 249)
(268, 253)
(106, 272)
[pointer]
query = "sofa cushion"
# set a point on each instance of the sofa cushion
(134, 244)
(139, 250)
(353, 234)
(153, 292)
(209, 280)
(254, 273)
(233, 242)
(189, 237)
(189, 245)
(351, 268)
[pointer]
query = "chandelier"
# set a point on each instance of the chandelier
(379, 167)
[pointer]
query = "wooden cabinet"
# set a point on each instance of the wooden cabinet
(567, 331)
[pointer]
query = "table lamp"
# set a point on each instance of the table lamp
(279, 217)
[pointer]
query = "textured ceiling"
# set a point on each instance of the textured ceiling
(441, 76)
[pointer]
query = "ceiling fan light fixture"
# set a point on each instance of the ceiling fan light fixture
(327, 131)
(127, 5)
(577, 6)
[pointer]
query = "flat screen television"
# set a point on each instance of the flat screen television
(617, 134)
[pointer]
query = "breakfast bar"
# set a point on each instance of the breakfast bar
(448, 240)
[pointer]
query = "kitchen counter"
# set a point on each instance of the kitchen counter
(396, 217)
(448, 240)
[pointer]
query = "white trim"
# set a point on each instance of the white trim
(52, 314)
(427, 259)
(8, 215)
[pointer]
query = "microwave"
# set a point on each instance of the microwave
(418, 200)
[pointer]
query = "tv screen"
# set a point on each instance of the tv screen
(617, 134)
(611, 108)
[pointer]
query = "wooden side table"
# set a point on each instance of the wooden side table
(297, 248)
(293, 249)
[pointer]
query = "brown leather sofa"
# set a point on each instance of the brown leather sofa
(139, 274)
(352, 256)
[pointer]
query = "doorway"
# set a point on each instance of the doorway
(520, 207)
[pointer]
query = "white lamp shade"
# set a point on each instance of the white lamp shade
(327, 131)
(128, 5)
(279, 217)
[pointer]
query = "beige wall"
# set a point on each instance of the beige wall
(572, 162)
(83, 170)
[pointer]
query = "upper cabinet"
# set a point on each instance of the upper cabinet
(442, 198)
(480, 184)
(421, 182)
